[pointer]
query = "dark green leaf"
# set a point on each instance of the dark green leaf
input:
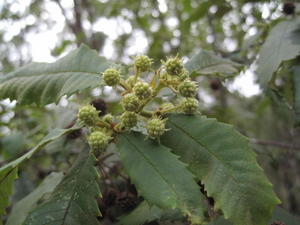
(8, 173)
(24, 206)
(279, 215)
(73, 202)
(43, 83)
(282, 44)
(206, 62)
(159, 176)
(221, 158)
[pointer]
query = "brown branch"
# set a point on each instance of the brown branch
(277, 144)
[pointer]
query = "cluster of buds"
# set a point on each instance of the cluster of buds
(137, 95)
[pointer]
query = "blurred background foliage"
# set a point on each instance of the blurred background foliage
(119, 29)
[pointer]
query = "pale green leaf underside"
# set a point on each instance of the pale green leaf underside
(206, 62)
(8, 173)
(43, 83)
(159, 176)
(296, 81)
(282, 44)
(25, 205)
(221, 158)
(73, 202)
(145, 213)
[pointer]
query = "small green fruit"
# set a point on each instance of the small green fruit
(98, 140)
(156, 127)
(111, 77)
(130, 102)
(143, 63)
(190, 105)
(142, 90)
(88, 115)
(129, 119)
(174, 66)
(187, 88)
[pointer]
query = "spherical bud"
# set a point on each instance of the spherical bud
(142, 90)
(111, 77)
(88, 115)
(131, 81)
(156, 127)
(128, 119)
(173, 66)
(190, 105)
(187, 88)
(98, 140)
(184, 75)
(108, 118)
(130, 102)
(143, 63)
(166, 106)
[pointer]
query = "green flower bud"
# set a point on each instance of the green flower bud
(88, 115)
(130, 102)
(184, 75)
(142, 90)
(187, 88)
(108, 118)
(143, 63)
(156, 127)
(111, 77)
(190, 105)
(128, 119)
(98, 140)
(173, 66)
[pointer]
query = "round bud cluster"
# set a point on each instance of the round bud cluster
(187, 88)
(108, 118)
(88, 115)
(128, 119)
(156, 127)
(98, 140)
(130, 102)
(173, 66)
(143, 63)
(190, 105)
(142, 90)
(111, 77)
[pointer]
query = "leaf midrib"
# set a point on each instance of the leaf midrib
(243, 194)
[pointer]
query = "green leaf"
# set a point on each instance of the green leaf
(145, 213)
(279, 214)
(24, 206)
(44, 83)
(281, 44)
(206, 63)
(74, 200)
(221, 158)
(159, 176)
(6, 186)
(296, 81)
(8, 173)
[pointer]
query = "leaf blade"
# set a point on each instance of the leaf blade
(44, 83)
(221, 158)
(281, 44)
(161, 187)
(207, 63)
(73, 200)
